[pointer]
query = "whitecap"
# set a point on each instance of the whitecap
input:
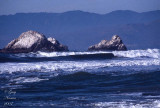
(152, 53)
(26, 80)
(127, 104)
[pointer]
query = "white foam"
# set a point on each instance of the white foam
(157, 103)
(133, 64)
(153, 53)
(125, 104)
(55, 54)
(27, 79)
(48, 66)
(71, 66)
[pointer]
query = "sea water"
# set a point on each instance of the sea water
(131, 79)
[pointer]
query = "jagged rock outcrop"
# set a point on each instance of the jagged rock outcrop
(114, 44)
(32, 41)
(59, 46)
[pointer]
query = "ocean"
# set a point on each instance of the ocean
(131, 79)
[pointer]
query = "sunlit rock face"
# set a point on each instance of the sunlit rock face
(114, 44)
(32, 41)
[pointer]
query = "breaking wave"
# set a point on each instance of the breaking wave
(131, 60)
(82, 79)
(151, 53)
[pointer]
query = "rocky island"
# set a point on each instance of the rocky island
(32, 41)
(114, 44)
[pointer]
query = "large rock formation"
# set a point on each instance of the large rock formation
(32, 41)
(114, 44)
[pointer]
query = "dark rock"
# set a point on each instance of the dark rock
(59, 46)
(32, 41)
(114, 44)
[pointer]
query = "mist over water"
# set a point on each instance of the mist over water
(128, 80)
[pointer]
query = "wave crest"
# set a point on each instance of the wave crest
(151, 53)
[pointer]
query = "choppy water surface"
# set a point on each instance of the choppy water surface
(129, 80)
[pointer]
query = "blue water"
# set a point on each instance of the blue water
(131, 79)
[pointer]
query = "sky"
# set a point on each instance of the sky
(58, 6)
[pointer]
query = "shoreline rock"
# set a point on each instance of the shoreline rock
(114, 44)
(32, 41)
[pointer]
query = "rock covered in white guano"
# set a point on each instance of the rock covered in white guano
(57, 44)
(53, 40)
(32, 41)
(114, 44)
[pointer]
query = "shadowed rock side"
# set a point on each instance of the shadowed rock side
(114, 44)
(32, 41)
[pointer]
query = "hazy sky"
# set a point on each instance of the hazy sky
(97, 6)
